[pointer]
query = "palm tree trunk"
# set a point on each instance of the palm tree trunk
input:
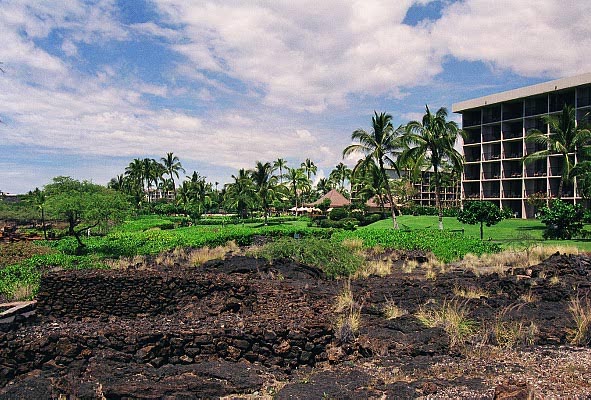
(389, 192)
(437, 199)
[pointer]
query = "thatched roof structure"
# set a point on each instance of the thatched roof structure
(336, 199)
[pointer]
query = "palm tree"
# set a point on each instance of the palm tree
(135, 171)
(309, 168)
(117, 183)
(433, 138)
(266, 185)
(565, 139)
(297, 181)
(340, 174)
(324, 186)
(240, 194)
(280, 164)
(378, 145)
(173, 166)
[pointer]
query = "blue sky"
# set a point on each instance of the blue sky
(91, 84)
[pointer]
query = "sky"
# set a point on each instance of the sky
(89, 85)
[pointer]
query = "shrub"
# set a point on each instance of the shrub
(563, 220)
(330, 256)
(336, 214)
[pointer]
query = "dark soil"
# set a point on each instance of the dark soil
(215, 346)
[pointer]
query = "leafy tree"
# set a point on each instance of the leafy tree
(433, 138)
(84, 205)
(173, 166)
(482, 212)
(563, 220)
(324, 205)
(379, 145)
(565, 138)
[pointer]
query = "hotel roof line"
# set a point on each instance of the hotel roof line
(526, 91)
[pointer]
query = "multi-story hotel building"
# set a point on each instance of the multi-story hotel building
(496, 126)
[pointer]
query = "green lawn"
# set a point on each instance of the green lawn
(507, 232)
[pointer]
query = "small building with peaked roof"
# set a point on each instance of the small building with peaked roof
(336, 200)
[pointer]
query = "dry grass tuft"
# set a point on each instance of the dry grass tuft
(353, 244)
(501, 262)
(555, 280)
(347, 325)
(21, 292)
(374, 267)
(345, 299)
(581, 313)
(390, 310)
(507, 332)
(348, 322)
(409, 266)
(430, 274)
(452, 317)
(470, 293)
(528, 297)
(200, 256)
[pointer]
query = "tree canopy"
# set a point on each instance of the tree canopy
(84, 205)
(480, 212)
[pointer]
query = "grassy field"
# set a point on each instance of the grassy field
(508, 232)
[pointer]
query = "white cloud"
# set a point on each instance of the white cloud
(545, 37)
(306, 55)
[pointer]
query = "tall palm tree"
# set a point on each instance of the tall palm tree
(280, 164)
(340, 174)
(265, 183)
(379, 146)
(565, 139)
(297, 182)
(309, 168)
(240, 194)
(173, 166)
(433, 138)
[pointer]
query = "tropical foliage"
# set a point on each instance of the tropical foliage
(379, 147)
(565, 139)
(433, 138)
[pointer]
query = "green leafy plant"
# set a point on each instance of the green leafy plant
(563, 220)
(480, 212)
(330, 256)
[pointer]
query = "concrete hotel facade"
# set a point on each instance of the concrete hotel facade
(496, 126)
